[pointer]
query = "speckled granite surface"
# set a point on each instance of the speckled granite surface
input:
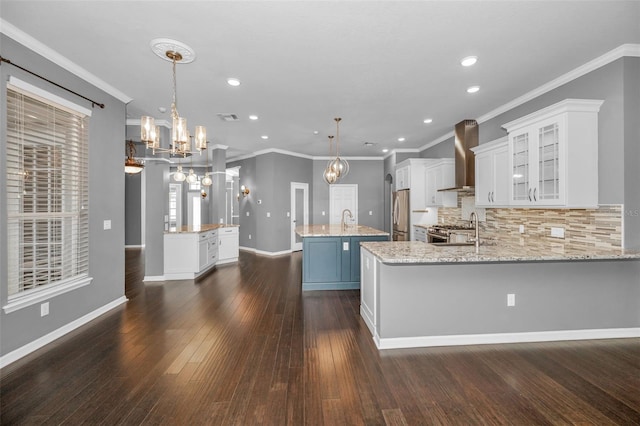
(337, 231)
(408, 252)
(201, 228)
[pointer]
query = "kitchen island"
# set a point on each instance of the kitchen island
(190, 252)
(415, 294)
(331, 255)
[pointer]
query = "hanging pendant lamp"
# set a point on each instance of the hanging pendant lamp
(339, 166)
(329, 175)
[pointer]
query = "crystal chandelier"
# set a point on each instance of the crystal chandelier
(175, 52)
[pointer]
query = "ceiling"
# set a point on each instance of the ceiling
(382, 66)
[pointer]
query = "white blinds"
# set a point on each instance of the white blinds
(47, 192)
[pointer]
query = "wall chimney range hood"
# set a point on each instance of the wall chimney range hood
(466, 137)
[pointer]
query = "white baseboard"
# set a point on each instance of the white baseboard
(265, 253)
(273, 253)
(151, 278)
(488, 339)
(56, 334)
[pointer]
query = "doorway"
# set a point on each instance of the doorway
(341, 197)
(299, 211)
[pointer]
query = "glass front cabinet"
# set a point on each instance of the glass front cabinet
(553, 156)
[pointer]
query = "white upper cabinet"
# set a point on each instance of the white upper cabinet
(553, 156)
(403, 176)
(492, 173)
(438, 175)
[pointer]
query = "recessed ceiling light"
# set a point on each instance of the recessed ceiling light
(385, 150)
(265, 137)
(473, 89)
(233, 82)
(162, 109)
(468, 61)
(401, 139)
(428, 121)
(315, 132)
(253, 117)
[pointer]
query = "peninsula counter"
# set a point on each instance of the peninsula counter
(415, 294)
(331, 255)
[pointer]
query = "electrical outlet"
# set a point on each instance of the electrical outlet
(249, 236)
(557, 232)
(511, 299)
(106, 225)
(221, 220)
(370, 213)
(247, 213)
(521, 229)
(288, 214)
(268, 214)
(44, 309)
(323, 213)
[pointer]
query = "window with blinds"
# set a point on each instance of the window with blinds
(47, 192)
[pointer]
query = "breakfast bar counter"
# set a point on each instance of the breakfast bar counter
(415, 294)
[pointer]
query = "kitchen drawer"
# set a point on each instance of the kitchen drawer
(228, 231)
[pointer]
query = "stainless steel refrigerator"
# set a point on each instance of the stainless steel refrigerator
(401, 216)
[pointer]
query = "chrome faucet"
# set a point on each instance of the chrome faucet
(343, 224)
(473, 220)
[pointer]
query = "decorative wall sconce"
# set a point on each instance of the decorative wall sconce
(244, 191)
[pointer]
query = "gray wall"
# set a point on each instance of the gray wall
(268, 177)
(617, 84)
(133, 209)
(369, 176)
(106, 202)
(631, 152)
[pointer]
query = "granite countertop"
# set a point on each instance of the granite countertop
(201, 228)
(416, 252)
(337, 231)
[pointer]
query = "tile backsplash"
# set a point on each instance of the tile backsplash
(583, 228)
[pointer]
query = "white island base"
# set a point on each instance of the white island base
(442, 304)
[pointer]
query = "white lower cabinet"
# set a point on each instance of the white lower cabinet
(188, 255)
(228, 245)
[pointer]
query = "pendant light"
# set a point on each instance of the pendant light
(131, 165)
(179, 175)
(329, 175)
(339, 166)
(206, 180)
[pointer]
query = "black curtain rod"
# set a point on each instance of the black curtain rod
(93, 103)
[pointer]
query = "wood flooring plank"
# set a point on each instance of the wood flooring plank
(245, 345)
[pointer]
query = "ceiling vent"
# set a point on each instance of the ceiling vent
(228, 117)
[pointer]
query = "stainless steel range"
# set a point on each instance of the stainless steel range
(449, 233)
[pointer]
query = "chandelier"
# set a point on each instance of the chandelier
(181, 139)
(131, 165)
(338, 167)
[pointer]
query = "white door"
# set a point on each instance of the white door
(194, 210)
(341, 197)
(175, 206)
(299, 211)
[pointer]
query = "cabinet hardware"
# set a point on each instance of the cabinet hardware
(534, 194)
(529, 194)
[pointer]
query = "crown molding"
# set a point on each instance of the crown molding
(136, 122)
(45, 51)
(629, 49)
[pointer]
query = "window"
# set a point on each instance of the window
(47, 191)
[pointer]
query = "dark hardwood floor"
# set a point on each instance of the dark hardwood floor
(245, 346)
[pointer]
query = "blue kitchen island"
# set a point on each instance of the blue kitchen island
(331, 255)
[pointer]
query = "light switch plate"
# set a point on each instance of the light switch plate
(107, 224)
